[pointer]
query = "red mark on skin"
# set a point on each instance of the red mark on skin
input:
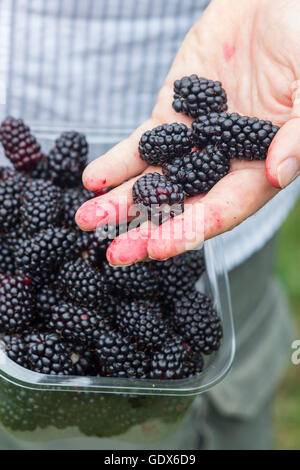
(228, 51)
(129, 247)
(93, 183)
(213, 220)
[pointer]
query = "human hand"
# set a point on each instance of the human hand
(252, 47)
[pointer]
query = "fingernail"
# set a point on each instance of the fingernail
(288, 171)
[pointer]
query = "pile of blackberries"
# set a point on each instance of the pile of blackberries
(63, 309)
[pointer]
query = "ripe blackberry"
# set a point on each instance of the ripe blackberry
(20, 146)
(76, 323)
(7, 260)
(239, 136)
(136, 281)
(118, 357)
(170, 361)
(193, 366)
(196, 96)
(41, 205)
(17, 303)
(47, 354)
(42, 254)
(197, 321)
(143, 322)
(82, 283)
(11, 186)
(198, 171)
(47, 297)
(158, 197)
(178, 275)
(67, 159)
(164, 143)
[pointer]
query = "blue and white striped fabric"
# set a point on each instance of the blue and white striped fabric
(96, 66)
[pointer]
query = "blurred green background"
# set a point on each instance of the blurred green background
(287, 404)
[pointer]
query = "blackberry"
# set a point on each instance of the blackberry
(20, 146)
(164, 143)
(47, 297)
(7, 260)
(239, 136)
(160, 198)
(67, 159)
(47, 354)
(198, 171)
(170, 361)
(82, 283)
(179, 274)
(11, 186)
(118, 357)
(76, 323)
(197, 321)
(41, 205)
(196, 96)
(41, 255)
(143, 322)
(138, 280)
(17, 303)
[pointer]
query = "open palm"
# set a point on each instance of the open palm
(252, 47)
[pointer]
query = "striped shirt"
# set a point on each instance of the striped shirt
(96, 66)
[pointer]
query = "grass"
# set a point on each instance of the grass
(287, 403)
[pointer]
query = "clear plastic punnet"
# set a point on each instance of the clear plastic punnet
(38, 407)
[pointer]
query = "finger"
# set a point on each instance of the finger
(229, 202)
(129, 247)
(112, 208)
(283, 161)
(118, 164)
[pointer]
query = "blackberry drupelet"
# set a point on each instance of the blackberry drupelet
(11, 186)
(67, 159)
(196, 96)
(158, 198)
(47, 297)
(239, 136)
(198, 171)
(142, 321)
(41, 206)
(178, 275)
(171, 360)
(83, 284)
(118, 357)
(47, 354)
(137, 281)
(20, 146)
(41, 255)
(164, 143)
(75, 323)
(15, 237)
(197, 321)
(17, 303)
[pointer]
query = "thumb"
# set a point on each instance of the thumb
(283, 161)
